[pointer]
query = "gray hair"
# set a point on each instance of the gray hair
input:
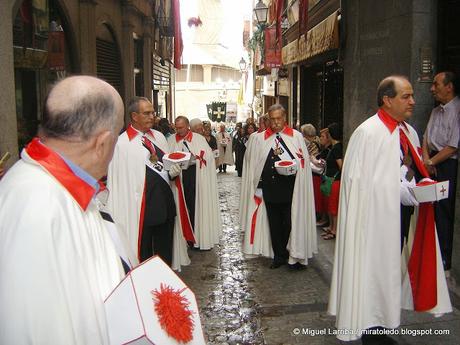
(195, 122)
(450, 77)
(275, 107)
(133, 105)
(308, 130)
(78, 107)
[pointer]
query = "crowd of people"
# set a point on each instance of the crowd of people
(366, 199)
(55, 212)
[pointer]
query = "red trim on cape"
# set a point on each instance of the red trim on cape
(55, 165)
(422, 265)
(188, 137)
(102, 186)
(387, 120)
(258, 201)
(141, 224)
(133, 132)
(286, 130)
(184, 218)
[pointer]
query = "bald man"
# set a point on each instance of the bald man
(58, 260)
(371, 280)
(200, 184)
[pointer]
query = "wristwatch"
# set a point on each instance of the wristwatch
(429, 162)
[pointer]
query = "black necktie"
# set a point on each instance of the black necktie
(108, 218)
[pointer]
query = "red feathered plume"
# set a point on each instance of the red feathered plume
(285, 163)
(194, 21)
(173, 312)
(176, 155)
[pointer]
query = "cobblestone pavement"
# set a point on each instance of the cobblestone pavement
(242, 301)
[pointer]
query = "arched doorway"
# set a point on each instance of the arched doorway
(42, 55)
(108, 57)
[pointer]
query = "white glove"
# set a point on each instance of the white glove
(427, 179)
(407, 197)
(258, 193)
(174, 170)
(318, 169)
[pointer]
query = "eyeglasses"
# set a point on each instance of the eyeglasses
(148, 113)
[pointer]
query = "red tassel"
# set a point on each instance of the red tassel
(173, 313)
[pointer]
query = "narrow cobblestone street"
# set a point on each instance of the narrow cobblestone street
(242, 301)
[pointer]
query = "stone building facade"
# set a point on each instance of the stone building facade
(123, 42)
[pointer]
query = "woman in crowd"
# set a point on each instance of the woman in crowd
(317, 165)
(165, 127)
(334, 161)
(325, 147)
(248, 130)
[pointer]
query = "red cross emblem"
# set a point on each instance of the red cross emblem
(201, 158)
(300, 156)
(443, 190)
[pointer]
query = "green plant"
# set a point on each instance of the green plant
(258, 39)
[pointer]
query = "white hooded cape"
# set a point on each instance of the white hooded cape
(126, 180)
(57, 260)
(367, 289)
(227, 156)
(302, 241)
(207, 227)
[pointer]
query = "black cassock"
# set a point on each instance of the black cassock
(159, 216)
(239, 147)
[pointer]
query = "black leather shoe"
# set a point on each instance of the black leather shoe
(297, 267)
(277, 264)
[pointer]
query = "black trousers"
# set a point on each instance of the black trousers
(223, 167)
(406, 214)
(444, 210)
(279, 220)
(158, 240)
(189, 183)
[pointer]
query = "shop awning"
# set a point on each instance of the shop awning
(319, 39)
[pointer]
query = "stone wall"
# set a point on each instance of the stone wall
(8, 136)
(384, 38)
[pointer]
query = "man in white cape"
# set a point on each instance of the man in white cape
(224, 145)
(371, 281)
(58, 261)
(126, 181)
(200, 184)
(301, 235)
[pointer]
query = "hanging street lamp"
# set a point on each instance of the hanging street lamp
(243, 66)
(261, 12)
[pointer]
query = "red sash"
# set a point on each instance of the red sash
(422, 261)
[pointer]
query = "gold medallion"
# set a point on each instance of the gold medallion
(154, 158)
